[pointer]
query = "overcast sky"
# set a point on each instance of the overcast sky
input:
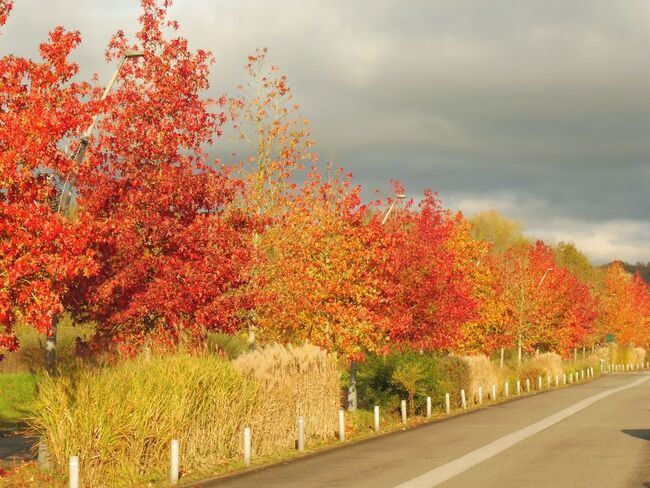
(538, 109)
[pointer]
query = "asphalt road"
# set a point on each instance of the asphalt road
(593, 435)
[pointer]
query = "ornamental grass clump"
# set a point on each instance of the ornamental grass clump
(120, 420)
(482, 372)
(292, 381)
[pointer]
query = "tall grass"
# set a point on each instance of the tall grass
(292, 381)
(120, 420)
(482, 372)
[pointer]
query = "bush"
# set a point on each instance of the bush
(380, 380)
(120, 420)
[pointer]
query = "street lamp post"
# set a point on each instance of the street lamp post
(352, 386)
(66, 199)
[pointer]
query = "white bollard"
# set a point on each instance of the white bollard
(564, 378)
(506, 388)
(480, 395)
(73, 474)
(247, 446)
(518, 387)
(582, 374)
(376, 419)
(428, 407)
(403, 407)
(301, 433)
(527, 385)
(173, 474)
(548, 380)
(494, 392)
(463, 401)
(557, 380)
(539, 383)
(447, 404)
(341, 425)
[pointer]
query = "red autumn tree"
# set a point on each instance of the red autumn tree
(624, 310)
(174, 251)
(490, 328)
(41, 251)
(550, 308)
(428, 295)
(319, 282)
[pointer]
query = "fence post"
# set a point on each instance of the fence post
(506, 387)
(428, 407)
(341, 425)
(301, 433)
(73, 471)
(548, 380)
(403, 406)
(527, 385)
(494, 392)
(463, 401)
(539, 383)
(480, 395)
(447, 404)
(557, 380)
(564, 378)
(173, 475)
(247, 446)
(518, 387)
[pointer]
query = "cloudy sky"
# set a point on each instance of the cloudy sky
(538, 109)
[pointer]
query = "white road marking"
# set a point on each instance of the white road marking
(454, 468)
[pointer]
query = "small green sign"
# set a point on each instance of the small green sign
(609, 338)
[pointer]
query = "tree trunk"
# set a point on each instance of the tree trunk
(352, 388)
(519, 349)
(501, 362)
(50, 347)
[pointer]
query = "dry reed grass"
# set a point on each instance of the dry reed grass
(482, 372)
(549, 363)
(293, 381)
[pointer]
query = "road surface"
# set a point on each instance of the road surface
(592, 435)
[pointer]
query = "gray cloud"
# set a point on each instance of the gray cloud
(538, 109)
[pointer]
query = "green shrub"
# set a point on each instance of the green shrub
(380, 380)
